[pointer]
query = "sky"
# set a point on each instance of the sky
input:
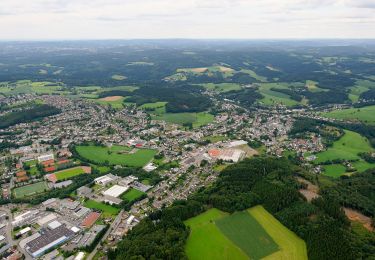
(201, 19)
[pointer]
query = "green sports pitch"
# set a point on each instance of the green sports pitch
(251, 234)
(30, 190)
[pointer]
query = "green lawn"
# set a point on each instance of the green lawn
(30, 189)
(222, 87)
(69, 173)
(157, 108)
(334, 170)
(216, 138)
(206, 240)
(253, 74)
(117, 155)
(106, 209)
(291, 246)
(117, 104)
(244, 231)
(197, 119)
(132, 194)
(363, 114)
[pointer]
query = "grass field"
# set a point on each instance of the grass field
(197, 119)
(334, 170)
(252, 234)
(118, 77)
(68, 173)
(157, 108)
(215, 138)
(253, 74)
(290, 245)
(222, 87)
(132, 194)
(312, 86)
(30, 189)
(346, 148)
(27, 86)
(117, 155)
(244, 231)
(106, 209)
(117, 104)
(273, 97)
(363, 114)
(206, 240)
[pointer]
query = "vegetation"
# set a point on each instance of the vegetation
(29, 190)
(69, 173)
(132, 195)
(106, 209)
(364, 114)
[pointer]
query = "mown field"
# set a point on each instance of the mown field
(107, 210)
(363, 114)
(222, 87)
(116, 155)
(273, 97)
(196, 119)
(251, 234)
(30, 189)
(132, 194)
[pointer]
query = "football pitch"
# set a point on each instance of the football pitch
(30, 190)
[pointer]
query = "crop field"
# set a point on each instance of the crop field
(273, 97)
(106, 209)
(69, 173)
(251, 234)
(30, 189)
(132, 194)
(363, 114)
(197, 119)
(117, 155)
(222, 87)
(117, 103)
(242, 229)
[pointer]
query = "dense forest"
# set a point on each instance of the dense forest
(27, 115)
(266, 181)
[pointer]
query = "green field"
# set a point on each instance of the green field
(30, 189)
(106, 209)
(222, 87)
(360, 87)
(27, 86)
(69, 173)
(244, 231)
(206, 240)
(363, 114)
(118, 77)
(253, 74)
(215, 138)
(273, 97)
(252, 234)
(117, 155)
(132, 194)
(312, 86)
(157, 108)
(117, 104)
(346, 148)
(197, 119)
(334, 170)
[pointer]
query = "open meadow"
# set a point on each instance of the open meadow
(132, 194)
(116, 155)
(196, 119)
(107, 210)
(363, 114)
(70, 173)
(272, 97)
(251, 234)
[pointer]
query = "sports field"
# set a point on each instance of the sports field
(30, 189)
(363, 114)
(106, 209)
(69, 173)
(251, 234)
(117, 155)
(132, 194)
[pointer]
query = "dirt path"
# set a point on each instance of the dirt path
(355, 215)
(311, 192)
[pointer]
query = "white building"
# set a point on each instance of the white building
(46, 157)
(115, 191)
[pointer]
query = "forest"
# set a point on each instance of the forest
(27, 115)
(263, 180)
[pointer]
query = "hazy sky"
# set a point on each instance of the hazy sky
(124, 19)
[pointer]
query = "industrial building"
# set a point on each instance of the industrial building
(115, 191)
(46, 157)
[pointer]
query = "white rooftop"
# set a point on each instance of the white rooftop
(115, 191)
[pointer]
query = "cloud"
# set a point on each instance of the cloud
(186, 19)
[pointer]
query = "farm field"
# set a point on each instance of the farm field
(273, 97)
(116, 102)
(69, 173)
(215, 138)
(313, 87)
(334, 170)
(290, 245)
(253, 74)
(27, 86)
(251, 234)
(132, 194)
(222, 87)
(197, 119)
(117, 155)
(157, 108)
(363, 114)
(30, 189)
(106, 209)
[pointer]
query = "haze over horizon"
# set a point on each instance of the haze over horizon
(205, 19)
